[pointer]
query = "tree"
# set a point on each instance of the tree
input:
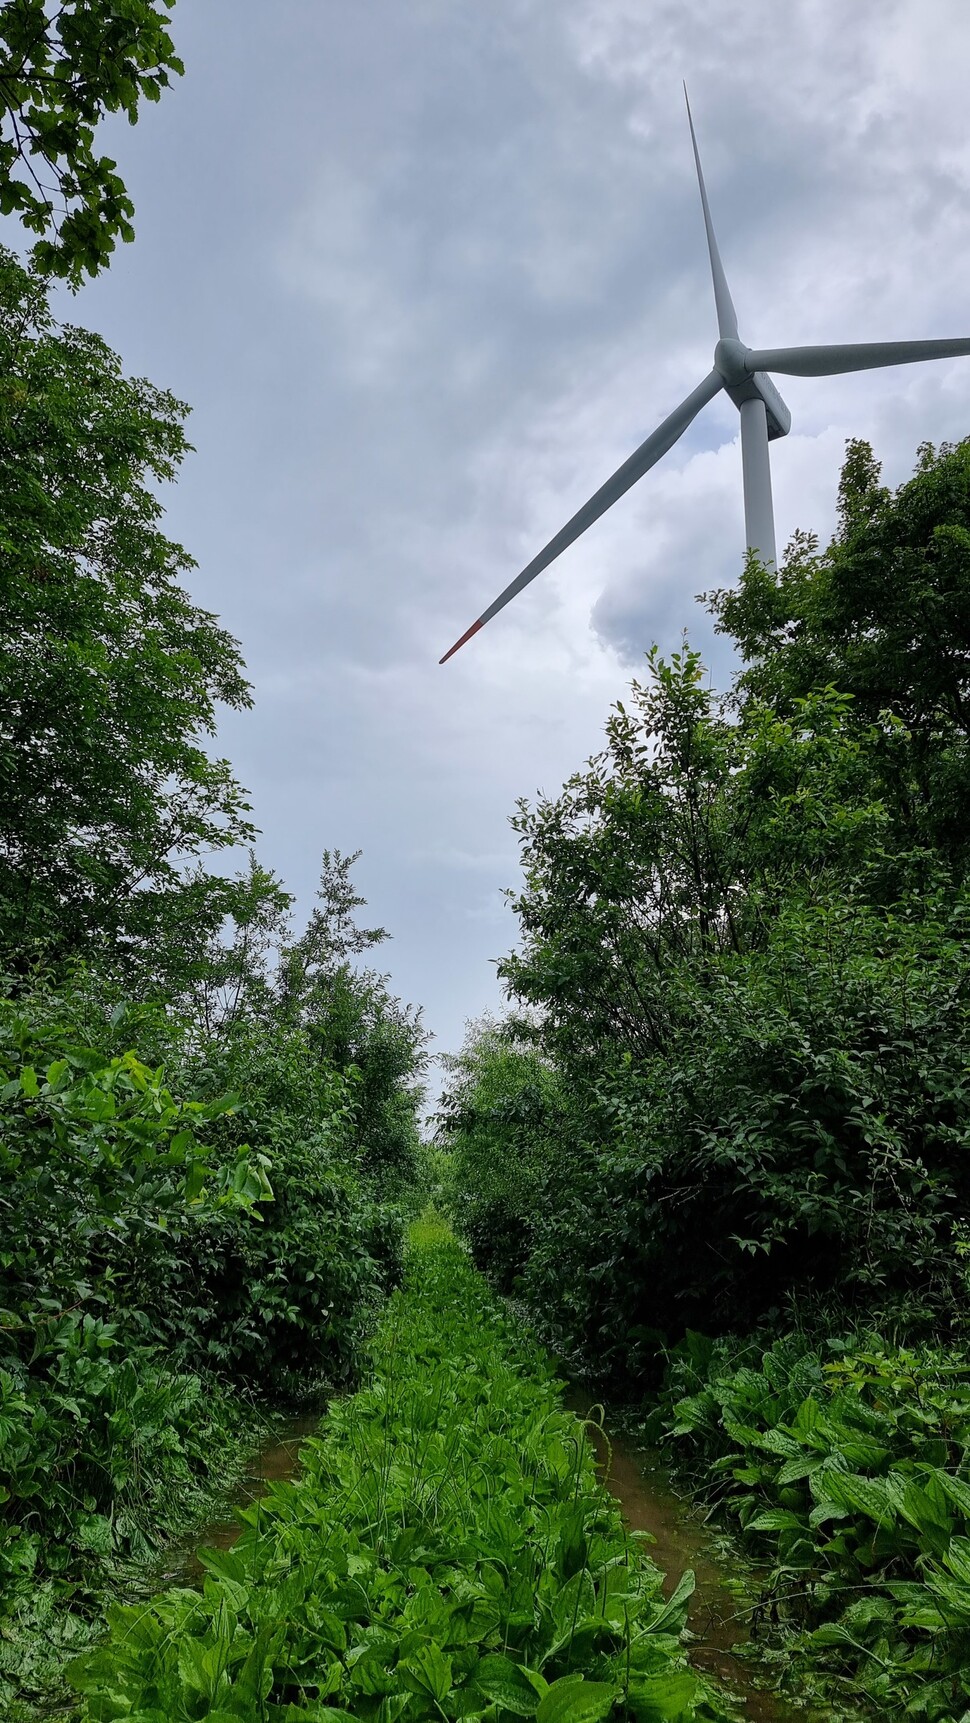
(62, 68)
(501, 1112)
(109, 674)
(883, 614)
(332, 935)
(354, 1023)
(757, 1006)
(217, 966)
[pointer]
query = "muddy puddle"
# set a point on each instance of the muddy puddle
(641, 1485)
(276, 1460)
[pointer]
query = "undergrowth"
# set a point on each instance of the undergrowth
(446, 1553)
(55, 1589)
(155, 1292)
(845, 1468)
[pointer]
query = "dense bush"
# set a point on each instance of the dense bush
(106, 1431)
(743, 943)
(499, 1112)
(786, 1118)
(284, 1306)
(154, 1286)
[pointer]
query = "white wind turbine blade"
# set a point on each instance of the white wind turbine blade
(852, 356)
(645, 457)
(727, 317)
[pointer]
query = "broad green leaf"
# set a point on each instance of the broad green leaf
(572, 1699)
(663, 1698)
(957, 1489)
(957, 1558)
(507, 1684)
(427, 1670)
(576, 1598)
(774, 1520)
(672, 1615)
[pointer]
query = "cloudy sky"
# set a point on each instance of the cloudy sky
(427, 271)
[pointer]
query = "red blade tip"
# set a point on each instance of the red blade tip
(466, 636)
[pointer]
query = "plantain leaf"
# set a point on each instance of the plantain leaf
(572, 1699)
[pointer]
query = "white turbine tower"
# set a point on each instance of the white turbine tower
(743, 373)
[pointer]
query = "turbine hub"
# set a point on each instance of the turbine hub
(729, 360)
(743, 384)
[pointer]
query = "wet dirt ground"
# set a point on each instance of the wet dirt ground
(641, 1485)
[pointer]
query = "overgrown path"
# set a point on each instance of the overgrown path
(447, 1553)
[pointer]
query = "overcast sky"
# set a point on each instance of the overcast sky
(427, 271)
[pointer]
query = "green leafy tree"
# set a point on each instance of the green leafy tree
(353, 1022)
(109, 674)
(883, 614)
(220, 963)
(62, 68)
(501, 1115)
(331, 937)
(742, 976)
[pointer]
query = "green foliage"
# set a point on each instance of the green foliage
(109, 675)
(352, 1021)
(152, 1282)
(105, 1176)
(61, 69)
(758, 1014)
(743, 947)
(106, 1454)
(884, 615)
(499, 1110)
(107, 1432)
(743, 933)
(446, 1553)
(285, 1306)
(847, 1469)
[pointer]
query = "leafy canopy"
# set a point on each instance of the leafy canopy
(882, 614)
(109, 674)
(62, 68)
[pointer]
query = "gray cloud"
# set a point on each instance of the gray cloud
(428, 273)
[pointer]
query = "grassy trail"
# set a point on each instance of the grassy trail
(447, 1553)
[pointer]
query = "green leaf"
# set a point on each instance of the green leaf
(577, 1597)
(672, 1615)
(870, 1496)
(663, 1698)
(506, 1683)
(957, 1558)
(427, 1670)
(957, 1489)
(774, 1520)
(572, 1699)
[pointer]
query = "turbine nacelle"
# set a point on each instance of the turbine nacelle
(744, 384)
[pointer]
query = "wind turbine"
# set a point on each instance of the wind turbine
(742, 372)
